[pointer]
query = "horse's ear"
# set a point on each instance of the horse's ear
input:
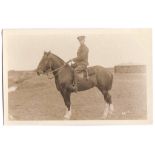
(48, 53)
(45, 52)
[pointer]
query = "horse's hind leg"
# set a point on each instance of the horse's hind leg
(109, 106)
(108, 99)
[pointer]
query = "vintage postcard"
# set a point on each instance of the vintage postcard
(77, 76)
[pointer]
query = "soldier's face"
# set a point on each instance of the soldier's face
(82, 41)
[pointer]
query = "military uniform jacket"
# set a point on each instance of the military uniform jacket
(82, 55)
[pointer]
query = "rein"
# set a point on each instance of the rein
(57, 69)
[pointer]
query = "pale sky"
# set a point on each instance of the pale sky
(107, 47)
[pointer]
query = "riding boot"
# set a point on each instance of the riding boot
(87, 76)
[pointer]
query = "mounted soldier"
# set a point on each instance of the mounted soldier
(63, 73)
(81, 61)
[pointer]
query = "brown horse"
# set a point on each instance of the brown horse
(63, 73)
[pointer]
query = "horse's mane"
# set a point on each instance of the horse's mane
(56, 58)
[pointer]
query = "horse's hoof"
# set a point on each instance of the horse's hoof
(67, 117)
(111, 108)
(68, 114)
(104, 116)
(110, 113)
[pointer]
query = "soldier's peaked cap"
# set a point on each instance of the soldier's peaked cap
(81, 38)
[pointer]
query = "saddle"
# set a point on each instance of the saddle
(85, 74)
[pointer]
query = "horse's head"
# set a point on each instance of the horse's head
(44, 65)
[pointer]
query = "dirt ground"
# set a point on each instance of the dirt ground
(36, 98)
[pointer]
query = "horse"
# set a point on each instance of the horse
(64, 77)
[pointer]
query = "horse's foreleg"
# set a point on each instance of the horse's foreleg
(68, 113)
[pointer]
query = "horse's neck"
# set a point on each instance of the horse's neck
(56, 64)
(59, 67)
(56, 61)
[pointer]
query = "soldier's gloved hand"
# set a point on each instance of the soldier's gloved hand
(73, 59)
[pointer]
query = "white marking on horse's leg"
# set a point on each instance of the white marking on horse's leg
(111, 108)
(106, 111)
(68, 114)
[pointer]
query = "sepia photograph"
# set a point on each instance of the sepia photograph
(79, 76)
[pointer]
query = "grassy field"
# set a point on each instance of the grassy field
(36, 98)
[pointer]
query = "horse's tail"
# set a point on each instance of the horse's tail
(110, 81)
